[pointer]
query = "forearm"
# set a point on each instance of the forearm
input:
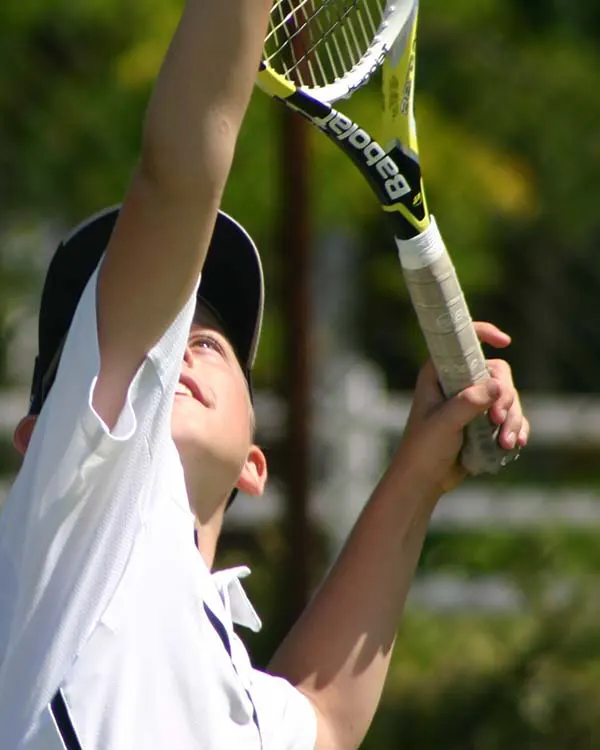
(202, 92)
(157, 249)
(339, 651)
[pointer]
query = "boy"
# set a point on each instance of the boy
(113, 632)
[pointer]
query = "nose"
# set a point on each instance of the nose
(188, 357)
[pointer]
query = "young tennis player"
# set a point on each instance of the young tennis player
(114, 632)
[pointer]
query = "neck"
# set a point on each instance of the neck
(208, 511)
(207, 537)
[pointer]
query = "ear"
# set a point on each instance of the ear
(23, 432)
(253, 476)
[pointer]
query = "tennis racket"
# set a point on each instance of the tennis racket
(317, 52)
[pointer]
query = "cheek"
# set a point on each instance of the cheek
(235, 412)
(237, 416)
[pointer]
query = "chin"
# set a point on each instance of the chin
(189, 442)
(207, 447)
(187, 425)
(200, 454)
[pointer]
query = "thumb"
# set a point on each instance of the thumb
(461, 409)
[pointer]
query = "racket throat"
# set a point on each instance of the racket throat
(394, 173)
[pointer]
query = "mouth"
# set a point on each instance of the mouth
(188, 388)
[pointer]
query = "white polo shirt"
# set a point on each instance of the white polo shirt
(105, 603)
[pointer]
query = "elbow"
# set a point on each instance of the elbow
(189, 167)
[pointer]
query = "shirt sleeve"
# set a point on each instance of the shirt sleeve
(81, 497)
(286, 718)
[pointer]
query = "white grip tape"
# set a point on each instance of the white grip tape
(423, 250)
(451, 339)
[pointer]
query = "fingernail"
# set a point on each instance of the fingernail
(523, 437)
(511, 439)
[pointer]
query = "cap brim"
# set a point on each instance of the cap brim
(232, 283)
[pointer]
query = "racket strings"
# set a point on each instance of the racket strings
(315, 42)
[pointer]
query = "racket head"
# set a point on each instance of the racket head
(398, 87)
(399, 124)
(329, 48)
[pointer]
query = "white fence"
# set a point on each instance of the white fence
(354, 425)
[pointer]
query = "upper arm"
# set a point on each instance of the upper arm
(161, 237)
(291, 718)
(287, 718)
(326, 738)
(149, 271)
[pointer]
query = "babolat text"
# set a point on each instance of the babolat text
(396, 186)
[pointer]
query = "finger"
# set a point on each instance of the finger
(511, 429)
(461, 409)
(523, 437)
(426, 398)
(490, 334)
(508, 398)
(515, 428)
(507, 410)
(513, 425)
(428, 386)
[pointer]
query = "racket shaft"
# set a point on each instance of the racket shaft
(456, 352)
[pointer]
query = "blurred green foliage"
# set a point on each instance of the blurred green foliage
(508, 119)
(507, 111)
(480, 685)
(526, 679)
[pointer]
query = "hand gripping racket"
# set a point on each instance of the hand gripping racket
(319, 51)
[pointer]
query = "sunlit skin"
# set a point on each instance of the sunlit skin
(213, 427)
(420, 441)
(212, 424)
(362, 598)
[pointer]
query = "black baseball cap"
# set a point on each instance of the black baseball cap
(231, 285)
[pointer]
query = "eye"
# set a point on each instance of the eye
(206, 341)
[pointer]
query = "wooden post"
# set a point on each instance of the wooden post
(295, 254)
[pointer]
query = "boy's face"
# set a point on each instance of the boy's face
(212, 417)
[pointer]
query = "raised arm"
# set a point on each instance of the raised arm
(338, 653)
(160, 241)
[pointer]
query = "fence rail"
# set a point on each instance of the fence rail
(353, 425)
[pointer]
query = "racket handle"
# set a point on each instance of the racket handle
(451, 339)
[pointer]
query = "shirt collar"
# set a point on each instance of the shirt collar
(235, 600)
